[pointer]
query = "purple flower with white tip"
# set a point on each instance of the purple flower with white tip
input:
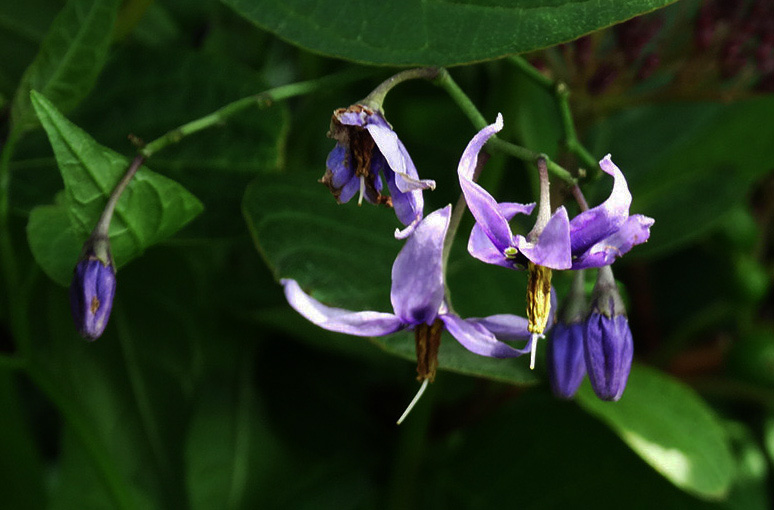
(492, 241)
(605, 232)
(418, 302)
(366, 149)
(545, 247)
(91, 294)
(608, 347)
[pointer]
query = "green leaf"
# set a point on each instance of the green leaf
(151, 209)
(671, 428)
(706, 155)
(70, 57)
(343, 255)
(414, 32)
(54, 242)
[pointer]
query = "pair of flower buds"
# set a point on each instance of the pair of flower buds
(368, 149)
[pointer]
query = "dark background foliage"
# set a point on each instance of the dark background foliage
(208, 391)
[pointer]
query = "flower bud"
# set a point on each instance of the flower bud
(92, 291)
(566, 366)
(607, 343)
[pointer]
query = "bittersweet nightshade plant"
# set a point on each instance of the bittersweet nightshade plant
(608, 346)
(605, 232)
(546, 247)
(366, 149)
(418, 301)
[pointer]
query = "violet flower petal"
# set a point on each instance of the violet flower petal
(337, 319)
(608, 350)
(353, 118)
(417, 276)
(565, 361)
(552, 248)
(481, 204)
(590, 226)
(338, 164)
(504, 326)
(634, 231)
(407, 178)
(481, 247)
(479, 340)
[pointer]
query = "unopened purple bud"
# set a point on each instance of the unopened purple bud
(91, 295)
(607, 343)
(566, 366)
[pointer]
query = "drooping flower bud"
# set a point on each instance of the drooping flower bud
(566, 365)
(607, 344)
(92, 289)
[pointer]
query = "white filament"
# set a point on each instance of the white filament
(414, 401)
(362, 190)
(533, 352)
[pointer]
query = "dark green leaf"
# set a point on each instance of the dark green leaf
(671, 428)
(70, 57)
(702, 155)
(413, 32)
(151, 209)
(343, 255)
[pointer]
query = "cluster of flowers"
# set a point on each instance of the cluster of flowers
(367, 149)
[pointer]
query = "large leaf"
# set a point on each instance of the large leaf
(151, 209)
(70, 57)
(415, 32)
(343, 255)
(670, 427)
(701, 154)
(538, 452)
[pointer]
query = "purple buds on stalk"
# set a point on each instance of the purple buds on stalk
(566, 365)
(92, 290)
(608, 346)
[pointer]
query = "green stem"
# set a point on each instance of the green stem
(562, 94)
(8, 362)
(470, 110)
(376, 98)
(7, 255)
(261, 100)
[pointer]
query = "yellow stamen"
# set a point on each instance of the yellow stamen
(538, 303)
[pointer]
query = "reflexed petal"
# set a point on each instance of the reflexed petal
(338, 319)
(481, 204)
(417, 275)
(589, 227)
(608, 351)
(566, 365)
(635, 231)
(350, 117)
(481, 247)
(504, 326)
(479, 340)
(552, 248)
(350, 189)
(338, 164)
(408, 206)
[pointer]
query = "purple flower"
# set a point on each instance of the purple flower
(608, 347)
(492, 240)
(418, 303)
(366, 146)
(605, 232)
(91, 295)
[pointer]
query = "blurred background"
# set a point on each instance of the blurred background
(207, 391)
